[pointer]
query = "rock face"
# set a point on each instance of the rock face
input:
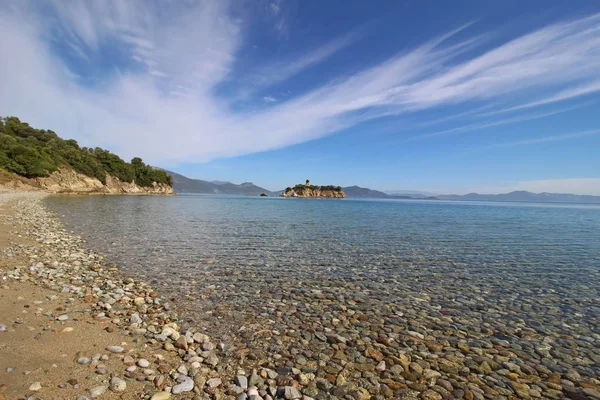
(66, 180)
(314, 191)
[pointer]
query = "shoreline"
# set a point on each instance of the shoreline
(144, 352)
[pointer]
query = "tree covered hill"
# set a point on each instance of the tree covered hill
(32, 153)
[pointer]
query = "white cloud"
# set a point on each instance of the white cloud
(269, 99)
(167, 111)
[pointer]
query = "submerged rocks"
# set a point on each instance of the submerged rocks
(387, 327)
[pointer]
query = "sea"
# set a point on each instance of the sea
(239, 266)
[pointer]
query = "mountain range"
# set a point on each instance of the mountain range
(524, 196)
(183, 184)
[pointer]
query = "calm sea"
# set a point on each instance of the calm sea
(539, 260)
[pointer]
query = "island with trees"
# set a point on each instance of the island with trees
(307, 190)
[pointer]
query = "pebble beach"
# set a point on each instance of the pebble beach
(438, 333)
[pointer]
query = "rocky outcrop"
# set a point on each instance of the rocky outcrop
(313, 191)
(69, 181)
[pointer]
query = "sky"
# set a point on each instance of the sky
(438, 96)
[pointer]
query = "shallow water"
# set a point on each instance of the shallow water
(502, 271)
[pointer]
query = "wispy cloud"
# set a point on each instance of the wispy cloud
(545, 139)
(484, 125)
(272, 74)
(166, 109)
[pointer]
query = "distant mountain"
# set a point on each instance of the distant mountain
(220, 182)
(183, 184)
(365, 193)
(412, 193)
(525, 196)
(360, 192)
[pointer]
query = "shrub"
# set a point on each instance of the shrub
(32, 152)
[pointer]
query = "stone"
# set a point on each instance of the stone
(181, 343)
(430, 395)
(594, 394)
(290, 393)
(118, 385)
(115, 349)
(187, 385)
(213, 383)
(97, 391)
(143, 363)
(161, 396)
(241, 381)
(35, 386)
(83, 360)
(63, 317)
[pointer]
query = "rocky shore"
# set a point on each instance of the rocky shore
(378, 332)
(159, 360)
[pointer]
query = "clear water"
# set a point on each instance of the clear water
(537, 262)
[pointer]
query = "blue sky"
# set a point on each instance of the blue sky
(440, 96)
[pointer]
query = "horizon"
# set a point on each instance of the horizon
(394, 192)
(454, 98)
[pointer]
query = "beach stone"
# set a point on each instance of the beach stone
(430, 395)
(161, 396)
(187, 385)
(118, 385)
(83, 360)
(291, 393)
(143, 363)
(241, 381)
(595, 394)
(115, 349)
(35, 386)
(213, 383)
(97, 391)
(62, 317)
(181, 343)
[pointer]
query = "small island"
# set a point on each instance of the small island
(309, 191)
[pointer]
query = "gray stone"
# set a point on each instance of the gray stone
(186, 385)
(115, 349)
(143, 363)
(118, 385)
(213, 383)
(97, 391)
(241, 381)
(291, 393)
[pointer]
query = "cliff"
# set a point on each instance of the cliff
(332, 192)
(66, 180)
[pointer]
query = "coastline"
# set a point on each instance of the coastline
(71, 327)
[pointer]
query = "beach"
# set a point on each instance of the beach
(72, 328)
(306, 333)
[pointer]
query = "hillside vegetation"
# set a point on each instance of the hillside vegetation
(33, 153)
